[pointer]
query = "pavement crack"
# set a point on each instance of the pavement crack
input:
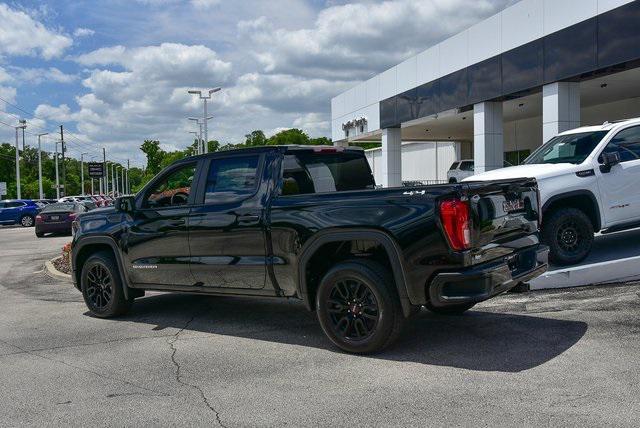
(174, 350)
(83, 369)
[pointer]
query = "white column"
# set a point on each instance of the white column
(391, 160)
(560, 108)
(488, 140)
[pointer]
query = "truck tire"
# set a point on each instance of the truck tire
(101, 286)
(451, 309)
(569, 234)
(358, 307)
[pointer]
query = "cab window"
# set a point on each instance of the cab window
(309, 172)
(231, 178)
(454, 166)
(626, 143)
(172, 189)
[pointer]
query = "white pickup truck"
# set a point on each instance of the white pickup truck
(589, 181)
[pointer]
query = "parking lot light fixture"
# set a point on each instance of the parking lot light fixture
(40, 191)
(205, 118)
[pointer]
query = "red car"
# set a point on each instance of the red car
(57, 218)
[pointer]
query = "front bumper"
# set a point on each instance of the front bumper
(488, 280)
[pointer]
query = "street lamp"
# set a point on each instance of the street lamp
(200, 123)
(204, 99)
(22, 125)
(82, 170)
(41, 193)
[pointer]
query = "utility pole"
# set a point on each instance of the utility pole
(113, 181)
(23, 143)
(22, 125)
(57, 176)
(41, 193)
(200, 123)
(64, 170)
(204, 99)
(123, 189)
(103, 179)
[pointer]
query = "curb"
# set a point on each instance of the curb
(51, 270)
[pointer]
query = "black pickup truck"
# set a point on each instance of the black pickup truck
(307, 222)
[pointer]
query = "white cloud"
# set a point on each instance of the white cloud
(83, 32)
(358, 40)
(204, 4)
(22, 35)
(40, 75)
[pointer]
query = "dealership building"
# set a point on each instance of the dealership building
(497, 90)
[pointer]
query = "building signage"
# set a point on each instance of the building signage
(96, 169)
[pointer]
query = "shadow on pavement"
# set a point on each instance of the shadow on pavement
(482, 341)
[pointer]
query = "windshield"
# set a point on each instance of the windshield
(572, 148)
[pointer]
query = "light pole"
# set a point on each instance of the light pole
(22, 125)
(197, 121)
(200, 123)
(204, 99)
(123, 189)
(82, 171)
(41, 193)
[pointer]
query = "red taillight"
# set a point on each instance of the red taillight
(455, 218)
(72, 216)
(38, 218)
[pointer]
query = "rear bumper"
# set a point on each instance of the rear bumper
(486, 281)
(53, 227)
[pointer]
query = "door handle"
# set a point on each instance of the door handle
(248, 218)
(176, 222)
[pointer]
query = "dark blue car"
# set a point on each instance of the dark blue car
(18, 211)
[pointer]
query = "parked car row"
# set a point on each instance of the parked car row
(49, 215)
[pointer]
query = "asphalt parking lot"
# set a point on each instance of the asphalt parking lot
(543, 358)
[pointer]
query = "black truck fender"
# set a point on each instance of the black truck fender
(100, 240)
(349, 234)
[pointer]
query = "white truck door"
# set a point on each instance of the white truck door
(620, 187)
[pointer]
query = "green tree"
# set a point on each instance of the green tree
(255, 138)
(291, 136)
(155, 155)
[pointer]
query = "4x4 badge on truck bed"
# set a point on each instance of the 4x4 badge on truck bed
(415, 192)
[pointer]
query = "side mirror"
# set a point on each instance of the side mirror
(608, 161)
(125, 204)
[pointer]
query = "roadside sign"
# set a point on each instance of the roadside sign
(3, 188)
(96, 169)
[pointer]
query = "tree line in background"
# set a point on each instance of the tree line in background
(157, 159)
(29, 173)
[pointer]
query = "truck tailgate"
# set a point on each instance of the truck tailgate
(505, 216)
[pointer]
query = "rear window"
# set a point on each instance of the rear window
(311, 172)
(466, 166)
(454, 166)
(59, 207)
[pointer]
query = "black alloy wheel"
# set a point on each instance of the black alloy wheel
(569, 234)
(353, 309)
(358, 306)
(99, 286)
(102, 287)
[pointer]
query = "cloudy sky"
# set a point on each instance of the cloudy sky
(117, 72)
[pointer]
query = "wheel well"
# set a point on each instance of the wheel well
(327, 255)
(583, 202)
(85, 252)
